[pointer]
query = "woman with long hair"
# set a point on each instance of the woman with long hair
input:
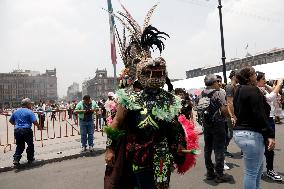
(252, 126)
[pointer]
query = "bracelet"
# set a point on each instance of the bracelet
(108, 143)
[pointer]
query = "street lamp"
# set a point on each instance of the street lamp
(222, 42)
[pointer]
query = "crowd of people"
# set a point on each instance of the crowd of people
(247, 110)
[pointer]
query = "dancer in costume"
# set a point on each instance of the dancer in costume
(148, 136)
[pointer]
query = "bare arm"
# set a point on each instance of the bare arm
(230, 106)
(119, 116)
(275, 89)
(223, 102)
(36, 123)
(79, 111)
(231, 110)
(117, 121)
(224, 111)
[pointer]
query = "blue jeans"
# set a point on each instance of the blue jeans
(87, 132)
(252, 145)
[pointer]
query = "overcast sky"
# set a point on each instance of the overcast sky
(73, 35)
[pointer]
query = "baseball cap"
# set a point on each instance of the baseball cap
(110, 94)
(26, 101)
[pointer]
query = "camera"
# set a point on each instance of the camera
(272, 82)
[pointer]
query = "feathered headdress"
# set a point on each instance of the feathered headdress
(141, 40)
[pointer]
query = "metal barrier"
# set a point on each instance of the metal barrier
(52, 129)
(7, 132)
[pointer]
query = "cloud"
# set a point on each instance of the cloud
(255, 22)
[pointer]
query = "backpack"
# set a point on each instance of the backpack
(207, 108)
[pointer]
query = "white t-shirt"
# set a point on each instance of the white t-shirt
(270, 98)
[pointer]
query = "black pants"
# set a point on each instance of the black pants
(214, 139)
(23, 136)
(144, 179)
(269, 155)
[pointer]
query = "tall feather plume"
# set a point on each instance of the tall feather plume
(148, 16)
(124, 38)
(129, 29)
(120, 54)
(121, 48)
(130, 17)
(122, 22)
(135, 28)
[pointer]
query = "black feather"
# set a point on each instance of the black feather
(151, 37)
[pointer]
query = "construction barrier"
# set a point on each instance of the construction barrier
(55, 125)
(7, 145)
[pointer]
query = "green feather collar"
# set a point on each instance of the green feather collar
(166, 106)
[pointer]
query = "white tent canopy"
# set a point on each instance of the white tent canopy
(273, 70)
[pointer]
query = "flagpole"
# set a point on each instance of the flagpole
(112, 40)
(114, 76)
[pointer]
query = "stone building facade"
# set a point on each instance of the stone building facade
(99, 86)
(20, 84)
(273, 55)
(73, 92)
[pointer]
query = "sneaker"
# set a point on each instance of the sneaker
(16, 162)
(228, 154)
(210, 176)
(226, 167)
(84, 149)
(223, 178)
(91, 148)
(273, 175)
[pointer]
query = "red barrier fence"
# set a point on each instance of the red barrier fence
(52, 128)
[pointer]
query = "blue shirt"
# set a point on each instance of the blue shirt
(23, 118)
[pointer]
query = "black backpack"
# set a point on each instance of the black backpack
(207, 108)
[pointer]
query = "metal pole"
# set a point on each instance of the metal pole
(222, 42)
(112, 40)
(114, 76)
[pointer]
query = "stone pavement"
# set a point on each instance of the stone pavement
(54, 150)
(61, 141)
